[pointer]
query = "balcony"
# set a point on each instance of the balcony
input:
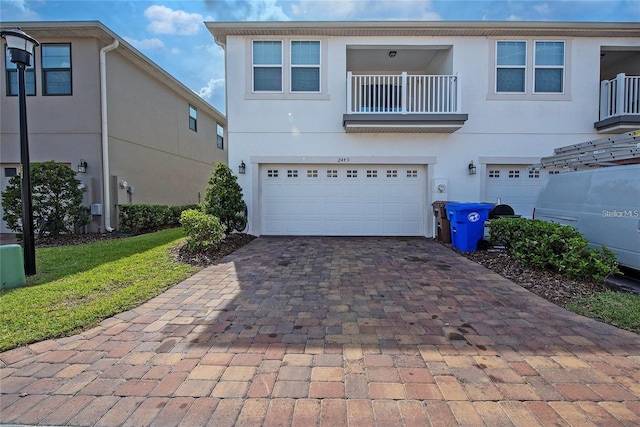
(619, 104)
(403, 102)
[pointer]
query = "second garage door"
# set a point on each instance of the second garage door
(343, 200)
(515, 185)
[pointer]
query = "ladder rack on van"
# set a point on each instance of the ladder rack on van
(617, 150)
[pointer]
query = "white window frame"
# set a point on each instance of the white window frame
(254, 66)
(313, 66)
(524, 67)
(549, 67)
(529, 94)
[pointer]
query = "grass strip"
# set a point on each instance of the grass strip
(78, 286)
(615, 308)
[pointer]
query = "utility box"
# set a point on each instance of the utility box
(11, 267)
(96, 209)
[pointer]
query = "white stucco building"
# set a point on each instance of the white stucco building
(356, 128)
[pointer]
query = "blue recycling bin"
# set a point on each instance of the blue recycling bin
(467, 224)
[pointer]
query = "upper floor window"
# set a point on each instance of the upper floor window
(220, 137)
(12, 76)
(305, 66)
(56, 69)
(193, 118)
(549, 67)
(267, 66)
(511, 62)
(517, 65)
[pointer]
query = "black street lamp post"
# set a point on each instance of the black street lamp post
(21, 47)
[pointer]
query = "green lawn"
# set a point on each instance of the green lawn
(619, 309)
(77, 286)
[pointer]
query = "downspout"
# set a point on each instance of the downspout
(105, 135)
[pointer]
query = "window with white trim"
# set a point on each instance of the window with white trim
(530, 67)
(267, 66)
(305, 66)
(549, 67)
(511, 65)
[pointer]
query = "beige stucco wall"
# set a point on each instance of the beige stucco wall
(150, 143)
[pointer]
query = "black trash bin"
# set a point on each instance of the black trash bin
(442, 221)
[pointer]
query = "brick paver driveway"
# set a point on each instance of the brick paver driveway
(333, 331)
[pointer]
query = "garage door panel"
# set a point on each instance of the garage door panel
(514, 185)
(343, 200)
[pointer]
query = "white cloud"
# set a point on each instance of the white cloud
(364, 9)
(24, 11)
(146, 44)
(213, 88)
(266, 10)
(246, 10)
(168, 21)
(542, 9)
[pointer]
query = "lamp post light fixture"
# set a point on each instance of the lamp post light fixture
(21, 47)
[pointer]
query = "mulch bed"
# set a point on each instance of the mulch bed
(544, 283)
(231, 243)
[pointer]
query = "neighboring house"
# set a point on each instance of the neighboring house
(356, 128)
(89, 93)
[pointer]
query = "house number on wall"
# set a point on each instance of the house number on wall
(343, 159)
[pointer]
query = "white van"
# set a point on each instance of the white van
(602, 203)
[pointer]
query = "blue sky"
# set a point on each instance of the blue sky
(172, 33)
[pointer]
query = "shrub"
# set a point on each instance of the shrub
(144, 218)
(203, 230)
(223, 199)
(56, 200)
(553, 246)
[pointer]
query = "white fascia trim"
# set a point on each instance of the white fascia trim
(358, 160)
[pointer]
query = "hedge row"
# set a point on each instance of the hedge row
(144, 218)
(552, 246)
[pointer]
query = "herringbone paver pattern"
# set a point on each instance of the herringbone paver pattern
(332, 331)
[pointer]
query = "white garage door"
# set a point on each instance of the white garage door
(515, 185)
(343, 200)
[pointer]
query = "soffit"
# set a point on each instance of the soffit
(221, 30)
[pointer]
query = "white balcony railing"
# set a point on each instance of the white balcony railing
(620, 96)
(403, 93)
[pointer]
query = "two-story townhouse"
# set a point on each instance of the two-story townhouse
(356, 128)
(92, 98)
